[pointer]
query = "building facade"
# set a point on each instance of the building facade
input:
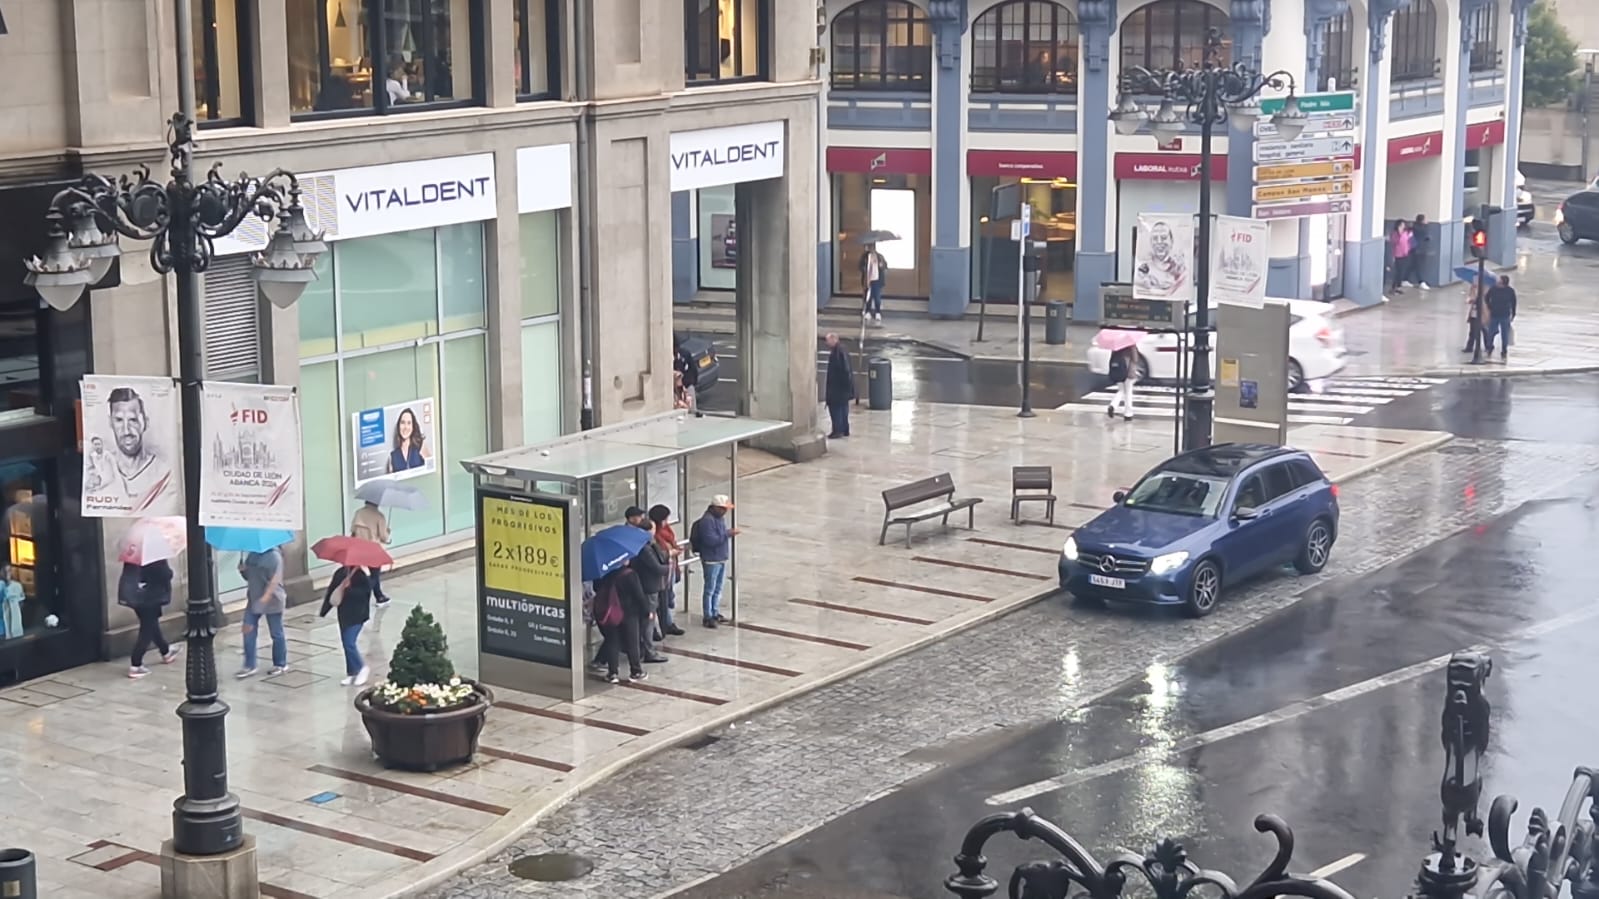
(497, 180)
(933, 105)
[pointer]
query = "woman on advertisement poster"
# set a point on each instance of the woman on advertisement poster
(410, 449)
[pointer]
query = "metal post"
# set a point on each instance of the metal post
(1197, 414)
(206, 819)
(1025, 220)
(1024, 298)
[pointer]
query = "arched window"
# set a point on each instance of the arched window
(1025, 47)
(1170, 34)
(1338, 52)
(1415, 41)
(882, 45)
(1485, 41)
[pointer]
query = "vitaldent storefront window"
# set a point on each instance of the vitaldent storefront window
(883, 190)
(393, 354)
(1001, 181)
(718, 238)
(544, 188)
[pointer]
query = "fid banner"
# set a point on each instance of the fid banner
(1239, 258)
(252, 476)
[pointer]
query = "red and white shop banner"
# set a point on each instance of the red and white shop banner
(1415, 146)
(1485, 134)
(880, 161)
(1167, 167)
(1043, 164)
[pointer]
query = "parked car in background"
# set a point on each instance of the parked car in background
(1315, 348)
(1525, 209)
(703, 353)
(1578, 216)
(1202, 521)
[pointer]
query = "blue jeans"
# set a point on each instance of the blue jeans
(874, 298)
(280, 646)
(353, 663)
(1497, 325)
(715, 573)
(839, 412)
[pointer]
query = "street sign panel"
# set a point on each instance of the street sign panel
(1324, 187)
(1326, 101)
(1294, 171)
(1321, 124)
(1297, 150)
(1276, 211)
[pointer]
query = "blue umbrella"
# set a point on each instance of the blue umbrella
(1468, 273)
(247, 540)
(610, 549)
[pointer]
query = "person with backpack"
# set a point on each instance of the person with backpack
(712, 540)
(618, 598)
(147, 589)
(1123, 374)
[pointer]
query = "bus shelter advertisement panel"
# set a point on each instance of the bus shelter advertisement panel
(523, 607)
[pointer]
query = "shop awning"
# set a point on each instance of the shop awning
(618, 447)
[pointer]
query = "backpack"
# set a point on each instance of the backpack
(694, 536)
(607, 606)
(1118, 367)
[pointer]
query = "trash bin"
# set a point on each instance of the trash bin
(17, 875)
(1055, 321)
(879, 383)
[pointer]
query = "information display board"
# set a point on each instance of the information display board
(1120, 309)
(524, 577)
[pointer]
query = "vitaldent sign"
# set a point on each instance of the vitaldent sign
(406, 196)
(718, 156)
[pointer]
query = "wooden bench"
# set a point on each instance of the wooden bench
(1032, 484)
(908, 504)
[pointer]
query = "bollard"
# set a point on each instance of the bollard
(1055, 321)
(18, 879)
(879, 383)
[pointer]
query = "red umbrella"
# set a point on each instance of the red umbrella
(353, 551)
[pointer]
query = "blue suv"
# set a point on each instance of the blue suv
(1206, 518)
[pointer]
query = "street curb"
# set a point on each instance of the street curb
(524, 815)
(1487, 371)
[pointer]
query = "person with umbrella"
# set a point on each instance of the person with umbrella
(147, 589)
(350, 591)
(874, 274)
(265, 598)
(369, 523)
(618, 595)
(1123, 346)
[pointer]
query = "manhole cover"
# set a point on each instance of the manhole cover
(551, 867)
(1459, 449)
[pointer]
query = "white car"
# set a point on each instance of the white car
(1315, 348)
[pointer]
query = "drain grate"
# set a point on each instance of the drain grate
(702, 742)
(551, 867)
(1459, 449)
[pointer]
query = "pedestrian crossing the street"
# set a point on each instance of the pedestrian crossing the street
(1335, 401)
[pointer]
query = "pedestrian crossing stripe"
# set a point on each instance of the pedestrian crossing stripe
(1336, 401)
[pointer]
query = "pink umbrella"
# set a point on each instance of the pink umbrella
(153, 539)
(1115, 339)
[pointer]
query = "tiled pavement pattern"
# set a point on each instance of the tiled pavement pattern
(691, 813)
(91, 758)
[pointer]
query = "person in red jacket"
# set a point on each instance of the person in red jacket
(666, 601)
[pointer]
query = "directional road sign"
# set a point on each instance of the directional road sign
(1298, 150)
(1321, 124)
(1326, 101)
(1295, 190)
(1296, 170)
(1300, 210)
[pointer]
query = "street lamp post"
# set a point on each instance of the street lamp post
(1213, 93)
(182, 219)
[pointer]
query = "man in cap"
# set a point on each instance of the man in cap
(712, 540)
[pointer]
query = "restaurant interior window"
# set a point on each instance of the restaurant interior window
(221, 32)
(1485, 38)
(1170, 34)
(994, 206)
(1338, 52)
(382, 55)
(1025, 46)
(536, 29)
(723, 40)
(1415, 41)
(882, 45)
(29, 602)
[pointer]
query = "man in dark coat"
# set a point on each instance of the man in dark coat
(840, 387)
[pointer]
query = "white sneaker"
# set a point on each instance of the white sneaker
(879, 318)
(243, 673)
(1423, 285)
(277, 670)
(347, 680)
(170, 657)
(134, 673)
(363, 676)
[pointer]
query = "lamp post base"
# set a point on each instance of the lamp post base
(231, 875)
(1198, 411)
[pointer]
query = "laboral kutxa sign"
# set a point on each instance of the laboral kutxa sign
(733, 155)
(524, 576)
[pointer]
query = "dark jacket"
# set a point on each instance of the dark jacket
(710, 539)
(840, 378)
(148, 586)
(356, 606)
(1502, 301)
(653, 568)
(630, 591)
(686, 367)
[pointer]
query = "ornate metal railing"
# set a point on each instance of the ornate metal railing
(1552, 854)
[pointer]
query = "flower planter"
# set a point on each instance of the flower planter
(425, 741)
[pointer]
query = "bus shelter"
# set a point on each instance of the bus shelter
(537, 504)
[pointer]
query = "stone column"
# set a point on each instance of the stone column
(1502, 240)
(1250, 19)
(1363, 251)
(685, 249)
(1096, 245)
(952, 279)
(1447, 237)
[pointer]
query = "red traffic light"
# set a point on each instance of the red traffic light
(1479, 239)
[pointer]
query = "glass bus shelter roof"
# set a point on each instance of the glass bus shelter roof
(590, 454)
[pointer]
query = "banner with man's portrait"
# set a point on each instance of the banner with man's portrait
(1163, 262)
(132, 447)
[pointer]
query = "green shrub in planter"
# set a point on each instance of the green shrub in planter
(423, 656)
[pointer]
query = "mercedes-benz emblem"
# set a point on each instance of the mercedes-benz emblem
(1107, 563)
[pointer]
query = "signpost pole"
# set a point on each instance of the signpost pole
(1024, 228)
(1030, 268)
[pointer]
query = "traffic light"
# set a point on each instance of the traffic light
(1479, 240)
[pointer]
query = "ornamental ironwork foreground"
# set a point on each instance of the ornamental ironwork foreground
(1552, 854)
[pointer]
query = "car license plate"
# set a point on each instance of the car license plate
(1099, 580)
(705, 362)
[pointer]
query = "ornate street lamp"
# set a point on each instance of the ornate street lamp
(182, 219)
(1213, 94)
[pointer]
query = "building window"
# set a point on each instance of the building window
(1338, 52)
(1485, 43)
(882, 45)
(221, 31)
(537, 27)
(723, 40)
(1170, 34)
(1054, 221)
(382, 55)
(1025, 47)
(1415, 41)
(541, 326)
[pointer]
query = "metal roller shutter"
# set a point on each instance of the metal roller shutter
(232, 321)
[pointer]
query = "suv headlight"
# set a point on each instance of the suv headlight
(1168, 563)
(1069, 549)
